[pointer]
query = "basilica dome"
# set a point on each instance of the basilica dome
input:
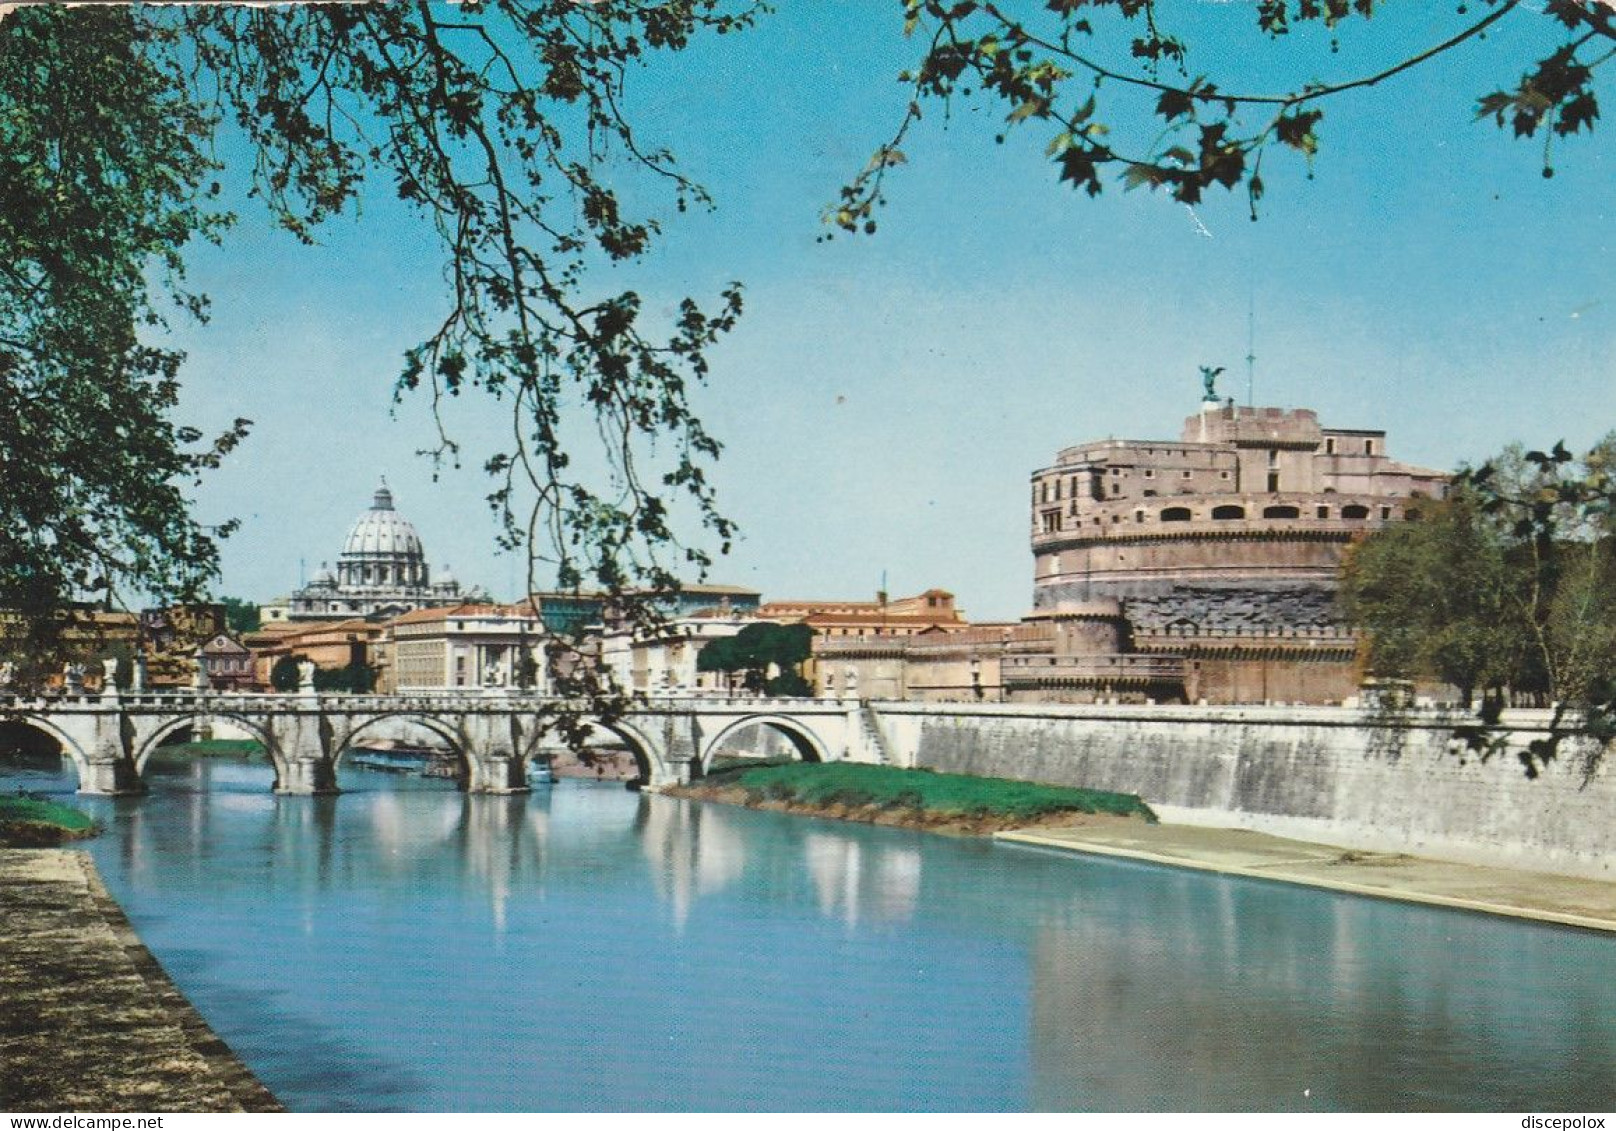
(383, 531)
(382, 571)
(383, 550)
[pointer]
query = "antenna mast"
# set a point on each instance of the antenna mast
(1251, 345)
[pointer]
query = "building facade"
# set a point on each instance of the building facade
(381, 572)
(468, 647)
(1248, 512)
(1203, 568)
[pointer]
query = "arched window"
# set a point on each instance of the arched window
(1176, 514)
(1354, 510)
(1228, 512)
(1281, 512)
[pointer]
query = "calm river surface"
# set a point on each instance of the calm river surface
(407, 947)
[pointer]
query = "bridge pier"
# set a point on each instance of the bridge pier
(300, 746)
(680, 745)
(306, 777)
(495, 749)
(498, 774)
(107, 767)
(117, 778)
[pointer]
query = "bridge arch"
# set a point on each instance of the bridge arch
(445, 731)
(809, 746)
(166, 729)
(71, 750)
(432, 724)
(647, 753)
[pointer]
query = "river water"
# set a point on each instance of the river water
(407, 947)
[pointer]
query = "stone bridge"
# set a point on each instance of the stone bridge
(111, 736)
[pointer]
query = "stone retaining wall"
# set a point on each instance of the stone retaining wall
(1334, 775)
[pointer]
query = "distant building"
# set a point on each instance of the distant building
(1165, 570)
(330, 645)
(931, 611)
(169, 639)
(381, 572)
(1222, 548)
(467, 647)
(666, 663)
(566, 613)
(226, 664)
(859, 647)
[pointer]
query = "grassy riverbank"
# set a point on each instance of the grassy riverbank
(918, 798)
(214, 748)
(31, 822)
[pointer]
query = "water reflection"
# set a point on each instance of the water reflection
(611, 950)
(853, 880)
(693, 851)
(1339, 1008)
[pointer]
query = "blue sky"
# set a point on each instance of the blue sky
(885, 398)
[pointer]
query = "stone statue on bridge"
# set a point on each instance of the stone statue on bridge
(8, 673)
(305, 677)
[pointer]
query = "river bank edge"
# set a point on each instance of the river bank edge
(931, 821)
(1538, 897)
(95, 1023)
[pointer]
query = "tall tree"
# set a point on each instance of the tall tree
(104, 177)
(1507, 587)
(768, 657)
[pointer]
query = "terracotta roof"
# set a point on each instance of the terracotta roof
(422, 616)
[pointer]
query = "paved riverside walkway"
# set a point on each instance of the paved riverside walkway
(1240, 852)
(89, 1023)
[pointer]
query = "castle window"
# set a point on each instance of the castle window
(1176, 514)
(1149, 494)
(1368, 447)
(1228, 512)
(1223, 475)
(1385, 512)
(1116, 488)
(1188, 474)
(1273, 481)
(1139, 516)
(1273, 457)
(1150, 473)
(1329, 445)
(1281, 512)
(1052, 522)
(1324, 512)
(1353, 510)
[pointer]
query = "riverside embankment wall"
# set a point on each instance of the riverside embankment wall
(1335, 775)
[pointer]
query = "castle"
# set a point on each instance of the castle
(1173, 570)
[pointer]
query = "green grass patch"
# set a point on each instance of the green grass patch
(214, 748)
(851, 783)
(33, 822)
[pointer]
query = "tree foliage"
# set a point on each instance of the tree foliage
(494, 122)
(241, 616)
(1114, 87)
(104, 177)
(1507, 589)
(768, 657)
